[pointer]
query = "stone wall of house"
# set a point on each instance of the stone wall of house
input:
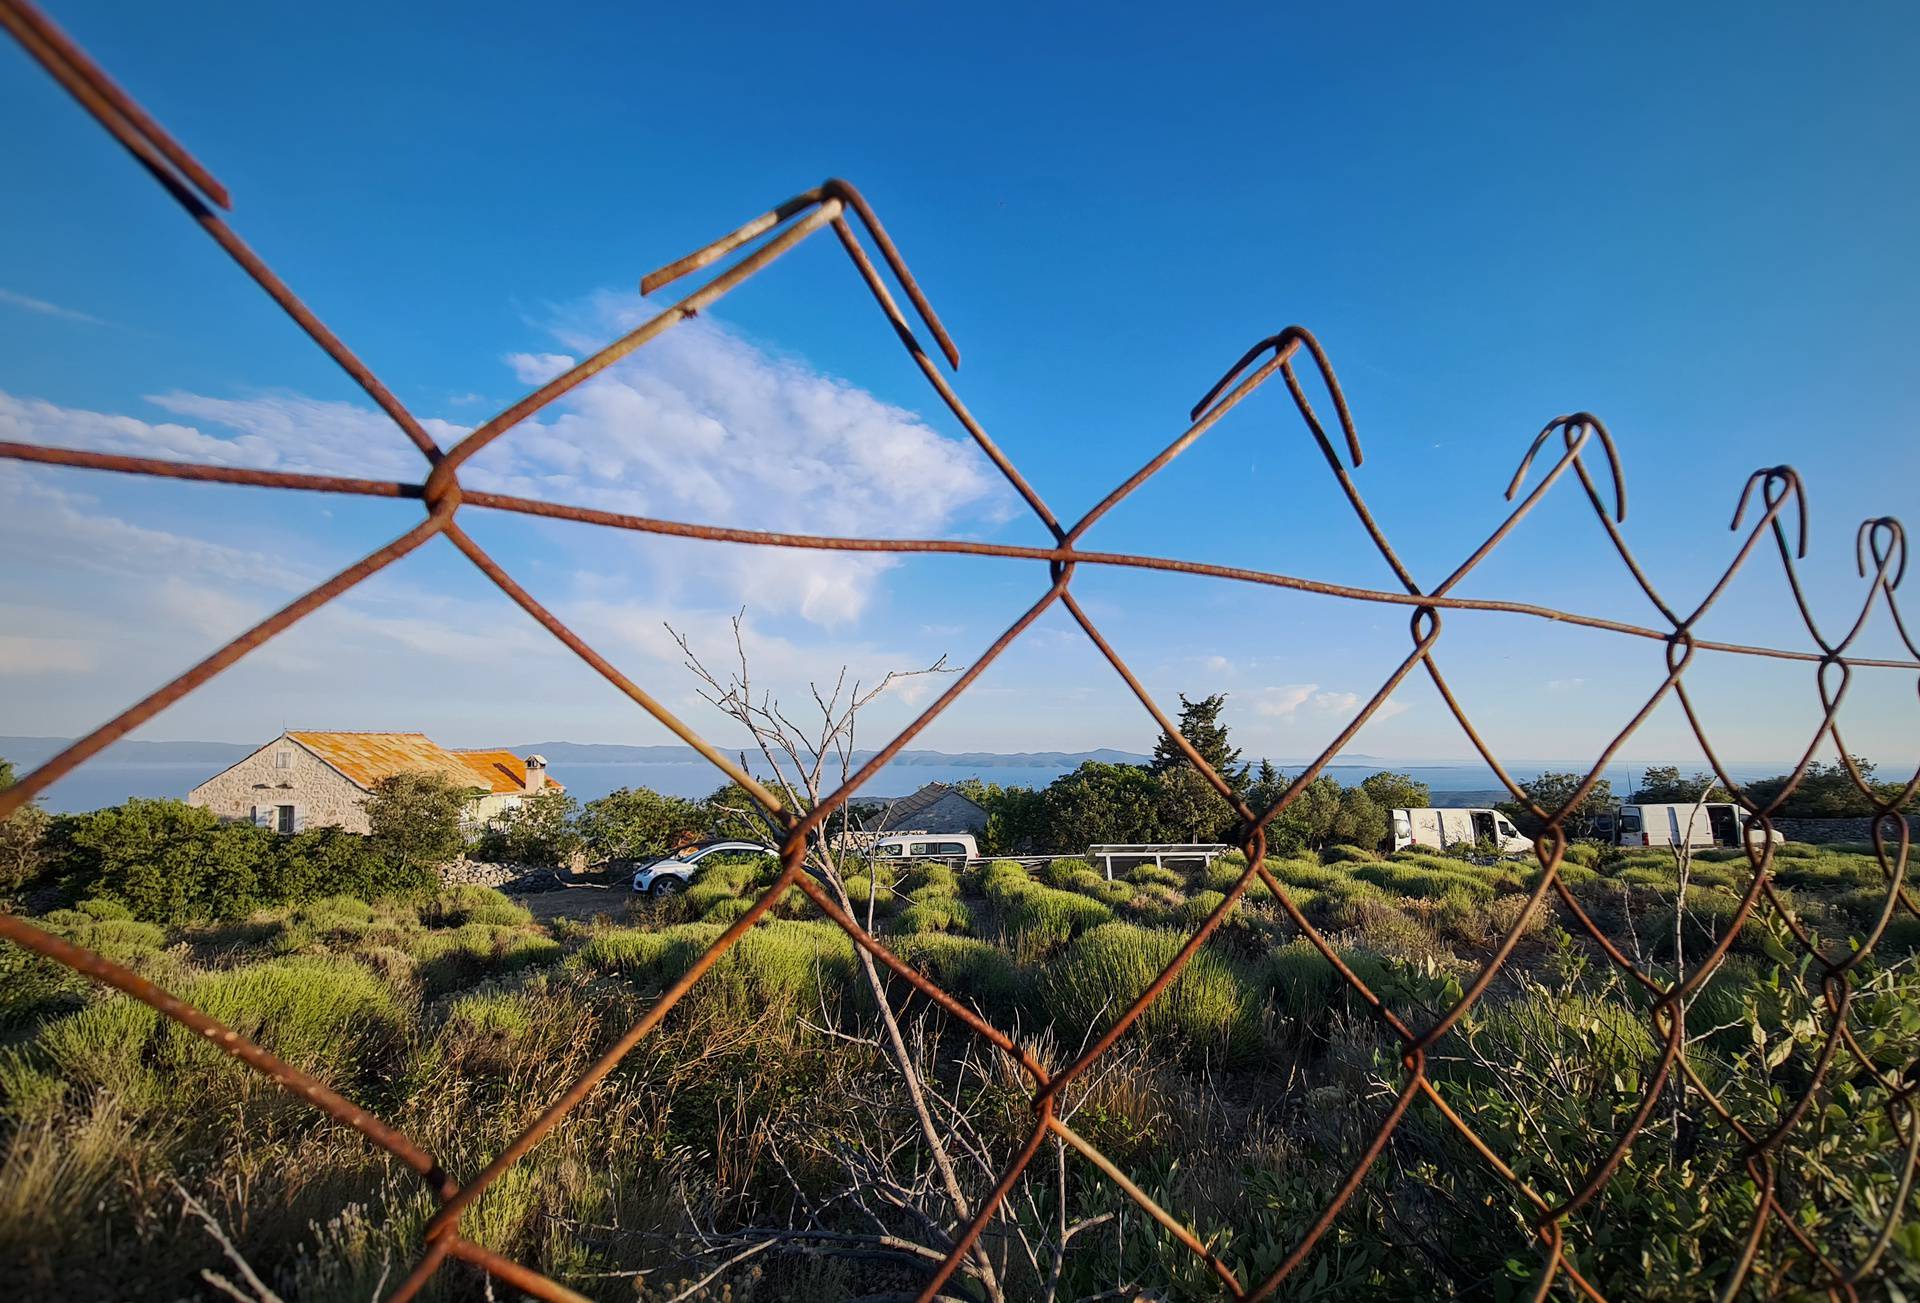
(320, 794)
(1827, 831)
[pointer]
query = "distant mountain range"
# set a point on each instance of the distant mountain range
(608, 753)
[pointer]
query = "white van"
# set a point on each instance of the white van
(1712, 823)
(926, 846)
(1429, 826)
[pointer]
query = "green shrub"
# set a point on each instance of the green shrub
(935, 914)
(1205, 1011)
(964, 967)
(1225, 871)
(457, 957)
(1061, 873)
(1585, 854)
(727, 910)
(1346, 855)
(774, 966)
(660, 956)
(458, 906)
(1156, 903)
(936, 880)
(102, 910)
(323, 1015)
(1201, 904)
(1041, 916)
(1113, 894)
(857, 891)
(1409, 880)
(1148, 875)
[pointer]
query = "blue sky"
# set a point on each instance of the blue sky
(1696, 223)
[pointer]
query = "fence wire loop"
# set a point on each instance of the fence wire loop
(762, 241)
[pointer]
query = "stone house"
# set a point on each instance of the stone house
(936, 807)
(311, 780)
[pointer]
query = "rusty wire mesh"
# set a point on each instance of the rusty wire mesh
(1880, 556)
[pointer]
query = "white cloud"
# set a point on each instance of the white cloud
(700, 425)
(28, 303)
(1288, 702)
(1217, 664)
(1282, 702)
(23, 655)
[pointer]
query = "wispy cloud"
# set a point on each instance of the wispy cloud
(702, 425)
(27, 303)
(1293, 700)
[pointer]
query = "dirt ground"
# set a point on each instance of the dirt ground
(581, 902)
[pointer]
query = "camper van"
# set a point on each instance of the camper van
(1713, 823)
(947, 846)
(1440, 829)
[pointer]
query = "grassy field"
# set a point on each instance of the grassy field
(764, 1111)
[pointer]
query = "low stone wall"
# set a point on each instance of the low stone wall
(501, 877)
(1821, 832)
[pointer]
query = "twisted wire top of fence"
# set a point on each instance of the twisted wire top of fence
(1775, 496)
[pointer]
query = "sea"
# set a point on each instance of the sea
(171, 769)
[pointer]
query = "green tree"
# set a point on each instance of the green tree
(1391, 791)
(730, 812)
(22, 841)
(1551, 792)
(637, 822)
(415, 820)
(1016, 817)
(166, 861)
(1825, 791)
(1358, 820)
(1189, 809)
(1663, 785)
(1101, 803)
(542, 829)
(1200, 725)
(1308, 822)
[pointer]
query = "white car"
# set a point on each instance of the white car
(671, 873)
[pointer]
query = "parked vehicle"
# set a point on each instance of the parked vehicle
(926, 846)
(1710, 823)
(671, 873)
(1441, 828)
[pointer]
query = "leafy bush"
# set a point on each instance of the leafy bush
(634, 822)
(1408, 880)
(1146, 875)
(964, 967)
(1041, 916)
(461, 956)
(1112, 894)
(414, 820)
(857, 892)
(1206, 1010)
(539, 830)
(1225, 871)
(1201, 904)
(459, 905)
(1347, 855)
(661, 955)
(1058, 873)
(935, 914)
(727, 911)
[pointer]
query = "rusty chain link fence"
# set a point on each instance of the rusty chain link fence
(837, 206)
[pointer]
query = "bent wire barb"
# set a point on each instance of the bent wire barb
(1880, 554)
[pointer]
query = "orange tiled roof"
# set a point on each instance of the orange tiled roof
(366, 758)
(502, 770)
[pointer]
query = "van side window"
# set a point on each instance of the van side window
(946, 848)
